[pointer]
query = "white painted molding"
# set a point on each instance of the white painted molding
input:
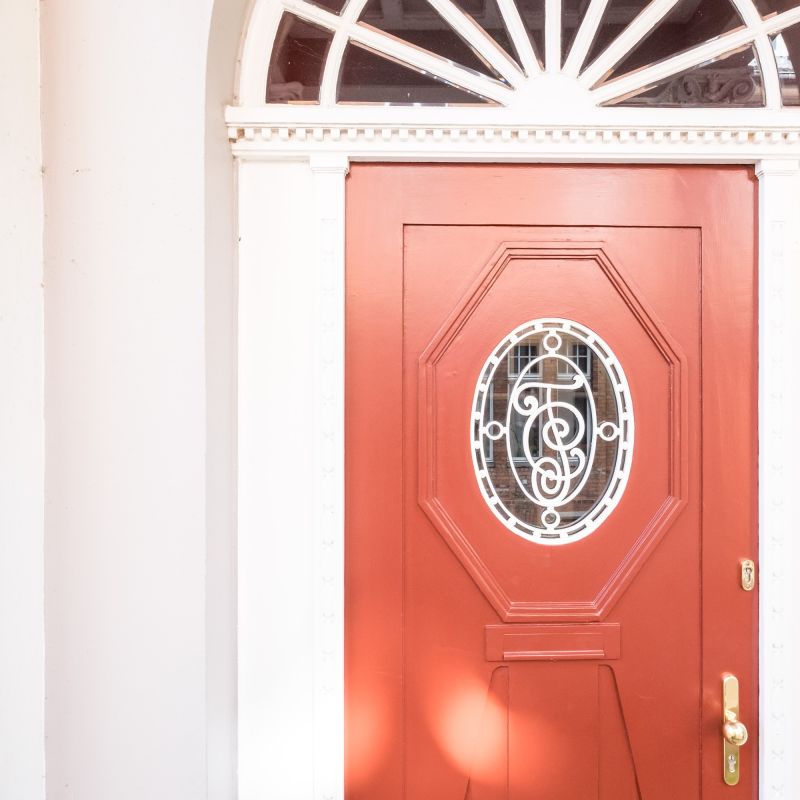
(291, 479)
(779, 426)
(327, 424)
(441, 134)
(278, 657)
(511, 143)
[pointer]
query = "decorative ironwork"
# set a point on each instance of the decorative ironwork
(552, 439)
(709, 87)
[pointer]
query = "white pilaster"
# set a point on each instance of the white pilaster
(779, 425)
(291, 479)
(278, 357)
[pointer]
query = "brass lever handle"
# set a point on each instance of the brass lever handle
(734, 732)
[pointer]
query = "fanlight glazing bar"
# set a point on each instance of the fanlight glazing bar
(769, 69)
(519, 36)
(407, 54)
(552, 35)
(775, 24)
(626, 41)
(513, 90)
(648, 76)
(584, 37)
(333, 65)
(479, 40)
(780, 21)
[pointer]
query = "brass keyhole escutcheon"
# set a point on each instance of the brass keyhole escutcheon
(734, 732)
(748, 575)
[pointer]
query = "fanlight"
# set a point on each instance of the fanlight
(552, 431)
(520, 53)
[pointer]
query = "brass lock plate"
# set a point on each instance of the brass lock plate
(734, 733)
(748, 574)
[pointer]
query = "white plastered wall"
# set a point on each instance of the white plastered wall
(139, 308)
(21, 425)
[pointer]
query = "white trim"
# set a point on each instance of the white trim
(779, 388)
(584, 37)
(552, 35)
(327, 427)
(563, 116)
(277, 337)
(649, 17)
(479, 40)
(291, 479)
(503, 142)
(519, 37)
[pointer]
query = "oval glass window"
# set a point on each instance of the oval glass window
(552, 431)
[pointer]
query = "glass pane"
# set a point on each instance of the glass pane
(417, 7)
(532, 13)
(786, 46)
(731, 81)
(370, 78)
(617, 16)
(335, 6)
(688, 24)
(417, 22)
(298, 58)
(552, 431)
(769, 7)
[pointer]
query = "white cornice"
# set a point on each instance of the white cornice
(504, 142)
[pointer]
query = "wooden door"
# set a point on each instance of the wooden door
(551, 461)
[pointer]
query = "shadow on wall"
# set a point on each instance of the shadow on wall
(227, 26)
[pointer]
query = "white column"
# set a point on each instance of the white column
(21, 408)
(329, 209)
(779, 474)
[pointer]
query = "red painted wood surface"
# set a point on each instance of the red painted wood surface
(481, 666)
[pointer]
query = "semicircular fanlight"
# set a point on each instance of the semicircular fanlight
(496, 52)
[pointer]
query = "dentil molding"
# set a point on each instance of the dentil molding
(508, 142)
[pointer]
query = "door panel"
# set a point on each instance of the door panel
(483, 664)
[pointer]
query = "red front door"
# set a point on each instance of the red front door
(551, 462)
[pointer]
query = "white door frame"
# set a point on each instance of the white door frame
(291, 532)
(292, 161)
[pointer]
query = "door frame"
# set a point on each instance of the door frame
(291, 214)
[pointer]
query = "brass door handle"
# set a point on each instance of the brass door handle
(734, 732)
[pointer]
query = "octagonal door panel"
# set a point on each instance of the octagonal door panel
(550, 481)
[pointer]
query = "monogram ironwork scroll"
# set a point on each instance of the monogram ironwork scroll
(552, 431)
